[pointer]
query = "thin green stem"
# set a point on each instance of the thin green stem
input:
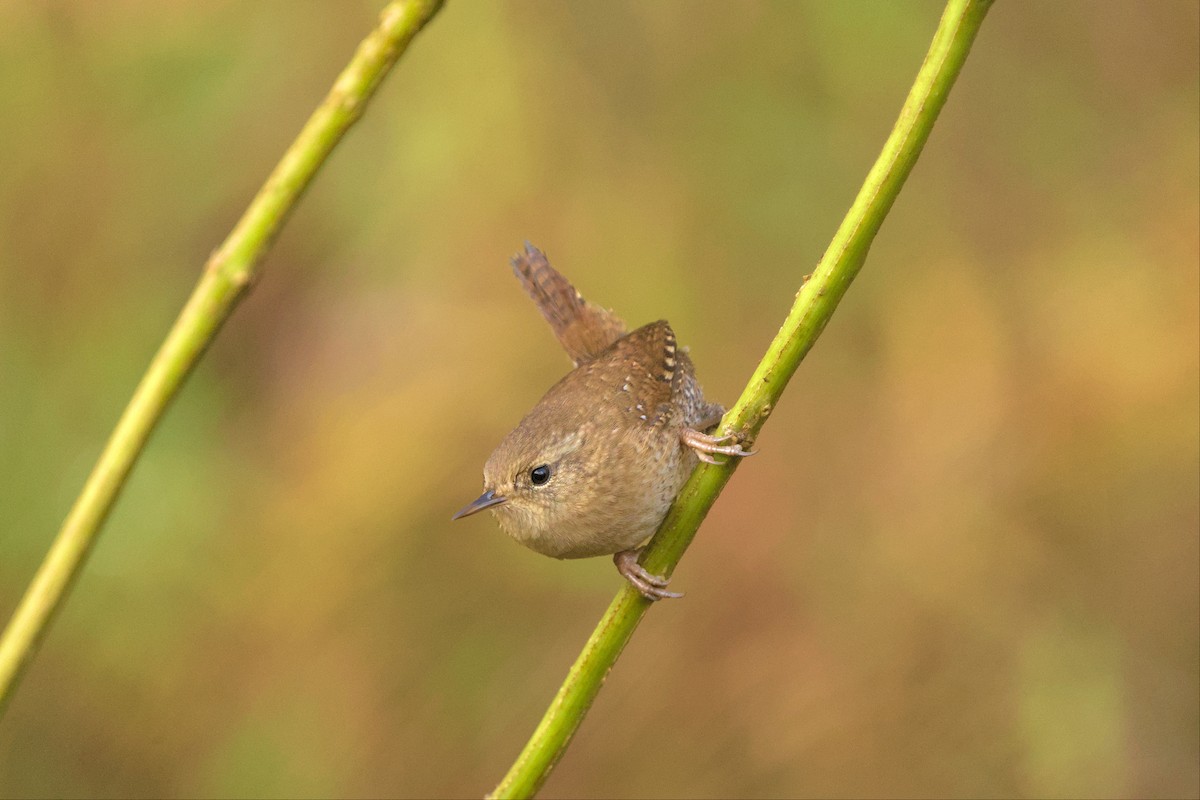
(814, 305)
(226, 277)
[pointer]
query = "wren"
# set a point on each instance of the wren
(593, 468)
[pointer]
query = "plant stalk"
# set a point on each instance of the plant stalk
(814, 305)
(226, 277)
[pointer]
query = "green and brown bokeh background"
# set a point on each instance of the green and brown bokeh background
(964, 563)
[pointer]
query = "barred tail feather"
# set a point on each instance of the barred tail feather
(584, 329)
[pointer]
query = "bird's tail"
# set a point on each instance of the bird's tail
(584, 329)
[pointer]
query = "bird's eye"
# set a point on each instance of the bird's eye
(539, 475)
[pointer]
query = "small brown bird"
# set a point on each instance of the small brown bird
(593, 468)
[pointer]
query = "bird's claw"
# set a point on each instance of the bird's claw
(706, 445)
(651, 586)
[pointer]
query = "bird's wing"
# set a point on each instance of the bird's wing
(651, 372)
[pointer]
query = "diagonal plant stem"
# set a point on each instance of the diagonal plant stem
(814, 305)
(226, 277)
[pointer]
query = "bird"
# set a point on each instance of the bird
(593, 468)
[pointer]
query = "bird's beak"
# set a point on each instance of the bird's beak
(485, 500)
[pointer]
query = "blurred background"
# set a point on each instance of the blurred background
(965, 562)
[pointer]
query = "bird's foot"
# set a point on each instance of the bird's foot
(652, 587)
(707, 446)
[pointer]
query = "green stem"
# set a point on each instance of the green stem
(226, 277)
(814, 306)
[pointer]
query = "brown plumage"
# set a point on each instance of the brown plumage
(584, 329)
(593, 468)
